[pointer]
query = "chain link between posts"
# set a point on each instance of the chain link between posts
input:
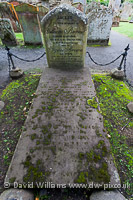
(124, 55)
(124, 59)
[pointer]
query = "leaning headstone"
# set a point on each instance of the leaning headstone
(65, 36)
(7, 34)
(42, 12)
(79, 6)
(17, 194)
(28, 18)
(7, 11)
(127, 10)
(99, 24)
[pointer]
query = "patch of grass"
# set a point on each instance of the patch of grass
(125, 28)
(114, 95)
(17, 97)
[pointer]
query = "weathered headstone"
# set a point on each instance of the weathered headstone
(28, 18)
(127, 10)
(83, 2)
(7, 11)
(65, 36)
(42, 12)
(99, 24)
(116, 19)
(114, 4)
(7, 34)
(79, 6)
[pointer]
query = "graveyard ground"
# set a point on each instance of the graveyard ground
(125, 28)
(113, 97)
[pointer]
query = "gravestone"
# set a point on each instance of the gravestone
(7, 34)
(7, 11)
(54, 3)
(65, 35)
(116, 19)
(114, 4)
(42, 12)
(99, 24)
(28, 18)
(127, 10)
(79, 6)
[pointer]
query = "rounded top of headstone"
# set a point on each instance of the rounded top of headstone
(64, 7)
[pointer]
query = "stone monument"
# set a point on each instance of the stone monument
(65, 36)
(42, 11)
(28, 18)
(127, 10)
(99, 24)
(79, 6)
(7, 34)
(7, 11)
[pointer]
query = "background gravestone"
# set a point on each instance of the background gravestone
(65, 35)
(99, 24)
(42, 11)
(127, 10)
(7, 34)
(79, 6)
(54, 3)
(7, 11)
(28, 17)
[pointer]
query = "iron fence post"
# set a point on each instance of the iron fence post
(124, 57)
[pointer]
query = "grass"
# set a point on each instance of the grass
(20, 41)
(125, 28)
(113, 97)
(17, 97)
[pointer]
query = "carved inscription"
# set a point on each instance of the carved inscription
(65, 40)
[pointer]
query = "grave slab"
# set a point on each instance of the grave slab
(28, 18)
(63, 140)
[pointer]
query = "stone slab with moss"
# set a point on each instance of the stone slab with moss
(63, 140)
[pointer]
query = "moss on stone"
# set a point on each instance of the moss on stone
(35, 172)
(82, 178)
(12, 180)
(92, 102)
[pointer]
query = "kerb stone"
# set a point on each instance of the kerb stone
(63, 141)
(65, 35)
